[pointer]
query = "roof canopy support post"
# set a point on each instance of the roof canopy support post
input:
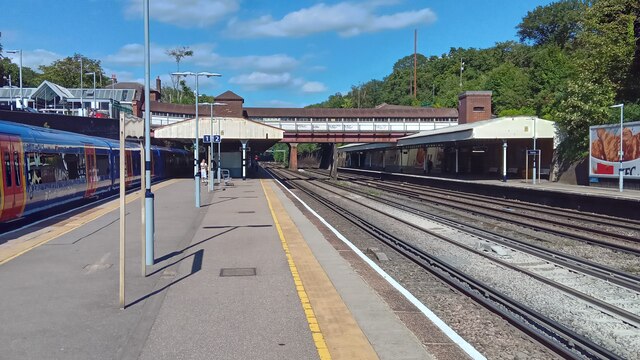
(293, 156)
(457, 152)
(334, 162)
(504, 160)
(244, 159)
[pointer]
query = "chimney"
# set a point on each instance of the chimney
(474, 106)
(158, 84)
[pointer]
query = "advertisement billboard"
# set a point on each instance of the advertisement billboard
(604, 157)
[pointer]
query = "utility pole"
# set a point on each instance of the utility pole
(415, 64)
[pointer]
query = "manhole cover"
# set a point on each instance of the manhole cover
(246, 212)
(238, 272)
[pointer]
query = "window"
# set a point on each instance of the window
(478, 109)
(124, 95)
(16, 167)
(7, 169)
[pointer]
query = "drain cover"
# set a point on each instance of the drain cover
(238, 272)
(246, 212)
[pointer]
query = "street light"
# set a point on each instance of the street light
(18, 52)
(10, 90)
(94, 87)
(197, 135)
(211, 144)
(620, 169)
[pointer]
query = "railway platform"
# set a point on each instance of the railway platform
(246, 276)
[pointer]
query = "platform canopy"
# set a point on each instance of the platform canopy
(260, 137)
(504, 128)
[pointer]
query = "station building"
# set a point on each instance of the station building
(478, 147)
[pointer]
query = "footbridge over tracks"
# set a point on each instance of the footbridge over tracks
(386, 123)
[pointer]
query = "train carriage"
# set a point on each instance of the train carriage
(44, 168)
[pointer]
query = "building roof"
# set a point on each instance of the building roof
(519, 127)
(384, 112)
(48, 90)
(229, 96)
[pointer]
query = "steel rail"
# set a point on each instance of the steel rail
(552, 334)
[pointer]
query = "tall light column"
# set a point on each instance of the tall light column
(81, 89)
(197, 136)
(10, 90)
(94, 87)
(620, 169)
(535, 153)
(18, 52)
(148, 195)
(211, 143)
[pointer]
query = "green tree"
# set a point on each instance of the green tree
(557, 23)
(510, 86)
(178, 54)
(66, 72)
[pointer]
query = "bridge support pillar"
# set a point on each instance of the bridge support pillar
(334, 162)
(293, 156)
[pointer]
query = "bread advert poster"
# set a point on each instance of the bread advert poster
(605, 150)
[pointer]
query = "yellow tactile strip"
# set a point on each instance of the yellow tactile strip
(331, 323)
(28, 242)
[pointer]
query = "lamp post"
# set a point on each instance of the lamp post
(620, 169)
(535, 153)
(10, 90)
(211, 144)
(94, 87)
(18, 52)
(81, 88)
(196, 137)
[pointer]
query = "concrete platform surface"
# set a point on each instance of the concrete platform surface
(246, 276)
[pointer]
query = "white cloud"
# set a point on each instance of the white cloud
(204, 56)
(269, 63)
(34, 59)
(347, 19)
(186, 13)
(260, 80)
(133, 55)
(313, 87)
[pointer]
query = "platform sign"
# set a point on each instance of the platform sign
(217, 138)
(604, 149)
(207, 139)
(533, 152)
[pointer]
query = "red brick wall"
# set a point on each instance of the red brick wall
(474, 106)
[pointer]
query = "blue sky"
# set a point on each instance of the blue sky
(272, 53)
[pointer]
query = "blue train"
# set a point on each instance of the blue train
(43, 168)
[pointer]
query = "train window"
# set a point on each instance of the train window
(102, 164)
(7, 169)
(71, 164)
(51, 169)
(16, 167)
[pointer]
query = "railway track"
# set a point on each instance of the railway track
(566, 223)
(554, 335)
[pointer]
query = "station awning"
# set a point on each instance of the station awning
(504, 128)
(260, 137)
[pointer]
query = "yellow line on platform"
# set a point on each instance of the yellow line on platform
(335, 332)
(28, 242)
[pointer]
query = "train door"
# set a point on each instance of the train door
(13, 190)
(91, 170)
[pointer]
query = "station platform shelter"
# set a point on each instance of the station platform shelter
(500, 147)
(240, 140)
